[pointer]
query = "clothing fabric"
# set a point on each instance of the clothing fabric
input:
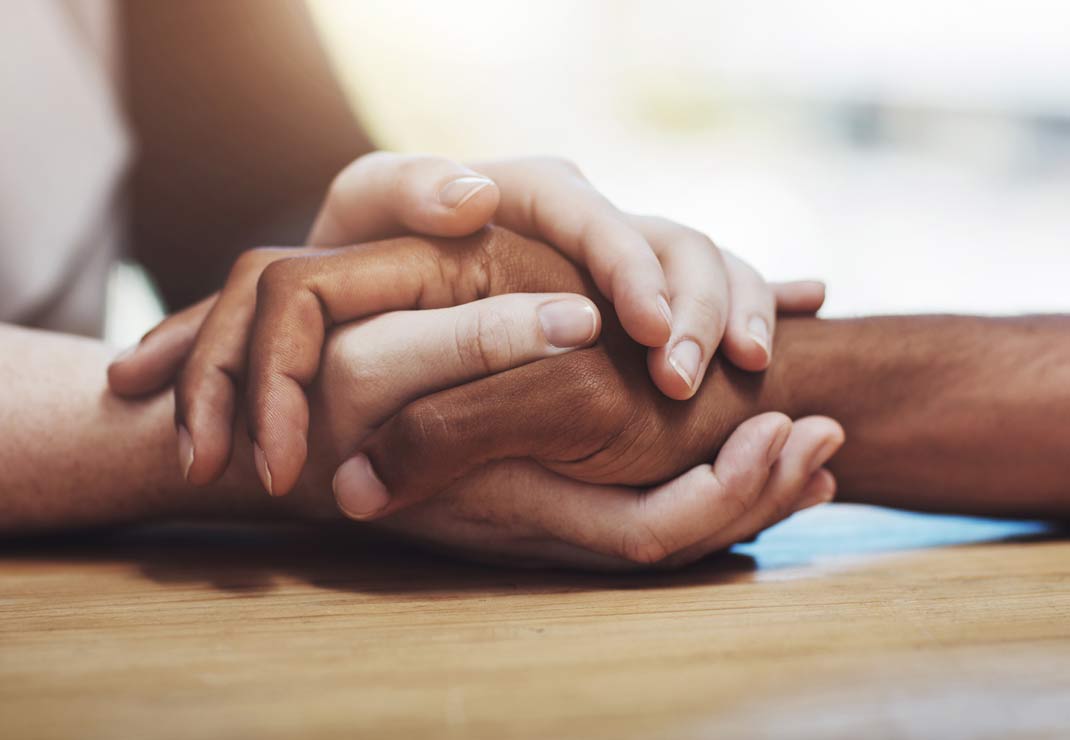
(64, 149)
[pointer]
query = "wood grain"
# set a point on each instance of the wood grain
(845, 622)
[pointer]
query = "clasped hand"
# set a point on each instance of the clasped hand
(530, 410)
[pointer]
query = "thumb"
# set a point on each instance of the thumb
(419, 354)
(383, 194)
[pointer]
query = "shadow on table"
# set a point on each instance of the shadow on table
(252, 560)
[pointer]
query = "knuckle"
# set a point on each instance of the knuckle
(592, 384)
(694, 241)
(708, 308)
(341, 183)
(701, 239)
(483, 340)
(350, 371)
(415, 165)
(496, 243)
(657, 224)
(668, 230)
(476, 263)
(420, 425)
(253, 261)
(568, 166)
(371, 159)
(278, 278)
(356, 171)
(744, 276)
(600, 407)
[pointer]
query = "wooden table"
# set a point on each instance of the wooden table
(845, 622)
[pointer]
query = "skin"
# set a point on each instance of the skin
(942, 413)
(106, 467)
(113, 462)
(198, 77)
(111, 472)
(266, 328)
(937, 421)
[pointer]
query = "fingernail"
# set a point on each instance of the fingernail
(458, 192)
(185, 450)
(822, 493)
(777, 445)
(262, 468)
(665, 311)
(685, 359)
(357, 489)
(568, 323)
(759, 332)
(126, 354)
(824, 454)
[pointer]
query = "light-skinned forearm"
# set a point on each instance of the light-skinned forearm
(73, 455)
(942, 413)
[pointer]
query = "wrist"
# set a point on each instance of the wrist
(798, 377)
(236, 495)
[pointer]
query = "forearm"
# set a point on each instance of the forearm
(942, 413)
(240, 127)
(73, 455)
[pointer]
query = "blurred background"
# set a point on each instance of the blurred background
(916, 154)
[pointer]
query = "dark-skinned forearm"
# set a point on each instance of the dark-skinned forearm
(942, 413)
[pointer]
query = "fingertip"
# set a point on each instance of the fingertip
(278, 418)
(763, 436)
(279, 470)
(745, 354)
(812, 292)
(461, 204)
(134, 373)
(800, 296)
(263, 469)
(358, 490)
(836, 430)
(830, 444)
(202, 455)
(749, 345)
(672, 382)
(120, 380)
(819, 489)
(686, 361)
(760, 334)
(821, 428)
(568, 322)
(186, 452)
(279, 465)
(779, 429)
(467, 189)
